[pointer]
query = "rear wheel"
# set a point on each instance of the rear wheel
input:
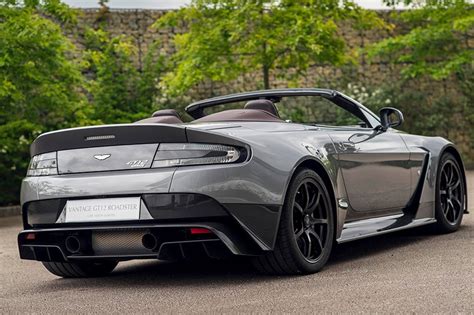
(80, 270)
(450, 194)
(306, 232)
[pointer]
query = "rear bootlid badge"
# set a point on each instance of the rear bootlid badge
(102, 157)
(137, 163)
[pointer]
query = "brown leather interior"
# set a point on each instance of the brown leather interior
(263, 104)
(255, 110)
(239, 115)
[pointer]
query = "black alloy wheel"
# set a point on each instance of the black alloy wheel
(307, 227)
(451, 192)
(310, 220)
(450, 196)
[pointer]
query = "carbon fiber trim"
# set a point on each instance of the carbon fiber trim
(119, 242)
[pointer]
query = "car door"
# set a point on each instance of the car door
(374, 162)
(375, 168)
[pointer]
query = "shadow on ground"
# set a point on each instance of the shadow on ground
(152, 273)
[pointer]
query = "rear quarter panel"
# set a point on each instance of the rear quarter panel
(254, 192)
(265, 177)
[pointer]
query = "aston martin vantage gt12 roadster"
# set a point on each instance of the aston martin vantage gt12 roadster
(239, 179)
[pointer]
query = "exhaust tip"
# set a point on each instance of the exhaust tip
(150, 241)
(73, 244)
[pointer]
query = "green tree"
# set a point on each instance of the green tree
(437, 41)
(435, 44)
(41, 87)
(120, 91)
(227, 38)
(112, 85)
(39, 81)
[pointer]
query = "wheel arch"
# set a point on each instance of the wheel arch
(321, 171)
(317, 166)
(282, 260)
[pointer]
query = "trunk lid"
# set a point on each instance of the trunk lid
(107, 158)
(107, 135)
(106, 148)
(117, 147)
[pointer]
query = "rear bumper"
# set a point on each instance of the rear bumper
(239, 229)
(245, 197)
(124, 242)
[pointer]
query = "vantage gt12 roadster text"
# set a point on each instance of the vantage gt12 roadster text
(240, 179)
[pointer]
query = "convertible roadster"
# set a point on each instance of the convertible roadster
(239, 179)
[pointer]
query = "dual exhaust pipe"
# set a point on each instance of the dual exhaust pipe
(150, 241)
(74, 244)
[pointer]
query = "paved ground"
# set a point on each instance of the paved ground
(413, 271)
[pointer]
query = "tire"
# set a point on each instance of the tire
(305, 219)
(450, 195)
(80, 270)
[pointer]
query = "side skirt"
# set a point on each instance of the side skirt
(414, 214)
(378, 226)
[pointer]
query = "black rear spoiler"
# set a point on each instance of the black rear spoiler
(111, 135)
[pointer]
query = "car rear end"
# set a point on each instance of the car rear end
(107, 193)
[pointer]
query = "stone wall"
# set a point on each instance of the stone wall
(137, 25)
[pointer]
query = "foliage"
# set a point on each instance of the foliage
(46, 84)
(148, 80)
(40, 86)
(54, 9)
(39, 82)
(226, 38)
(437, 41)
(446, 114)
(119, 90)
(436, 46)
(15, 139)
(317, 110)
(114, 75)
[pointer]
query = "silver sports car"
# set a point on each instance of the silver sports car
(240, 179)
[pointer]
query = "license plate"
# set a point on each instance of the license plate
(99, 210)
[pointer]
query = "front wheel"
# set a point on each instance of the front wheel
(80, 269)
(306, 232)
(450, 194)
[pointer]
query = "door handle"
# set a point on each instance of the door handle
(345, 146)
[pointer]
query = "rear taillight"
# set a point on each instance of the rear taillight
(30, 236)
(43, 164)
(182, 154)
(199, 231)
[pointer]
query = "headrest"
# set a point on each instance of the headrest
(165, 112)
(265, 105)
(163, 116)
(160, 120)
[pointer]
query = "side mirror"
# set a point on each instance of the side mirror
(390, 117)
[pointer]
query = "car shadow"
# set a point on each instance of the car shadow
(375, 245)
(154, 274)
(238, 270)
(371, 246)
